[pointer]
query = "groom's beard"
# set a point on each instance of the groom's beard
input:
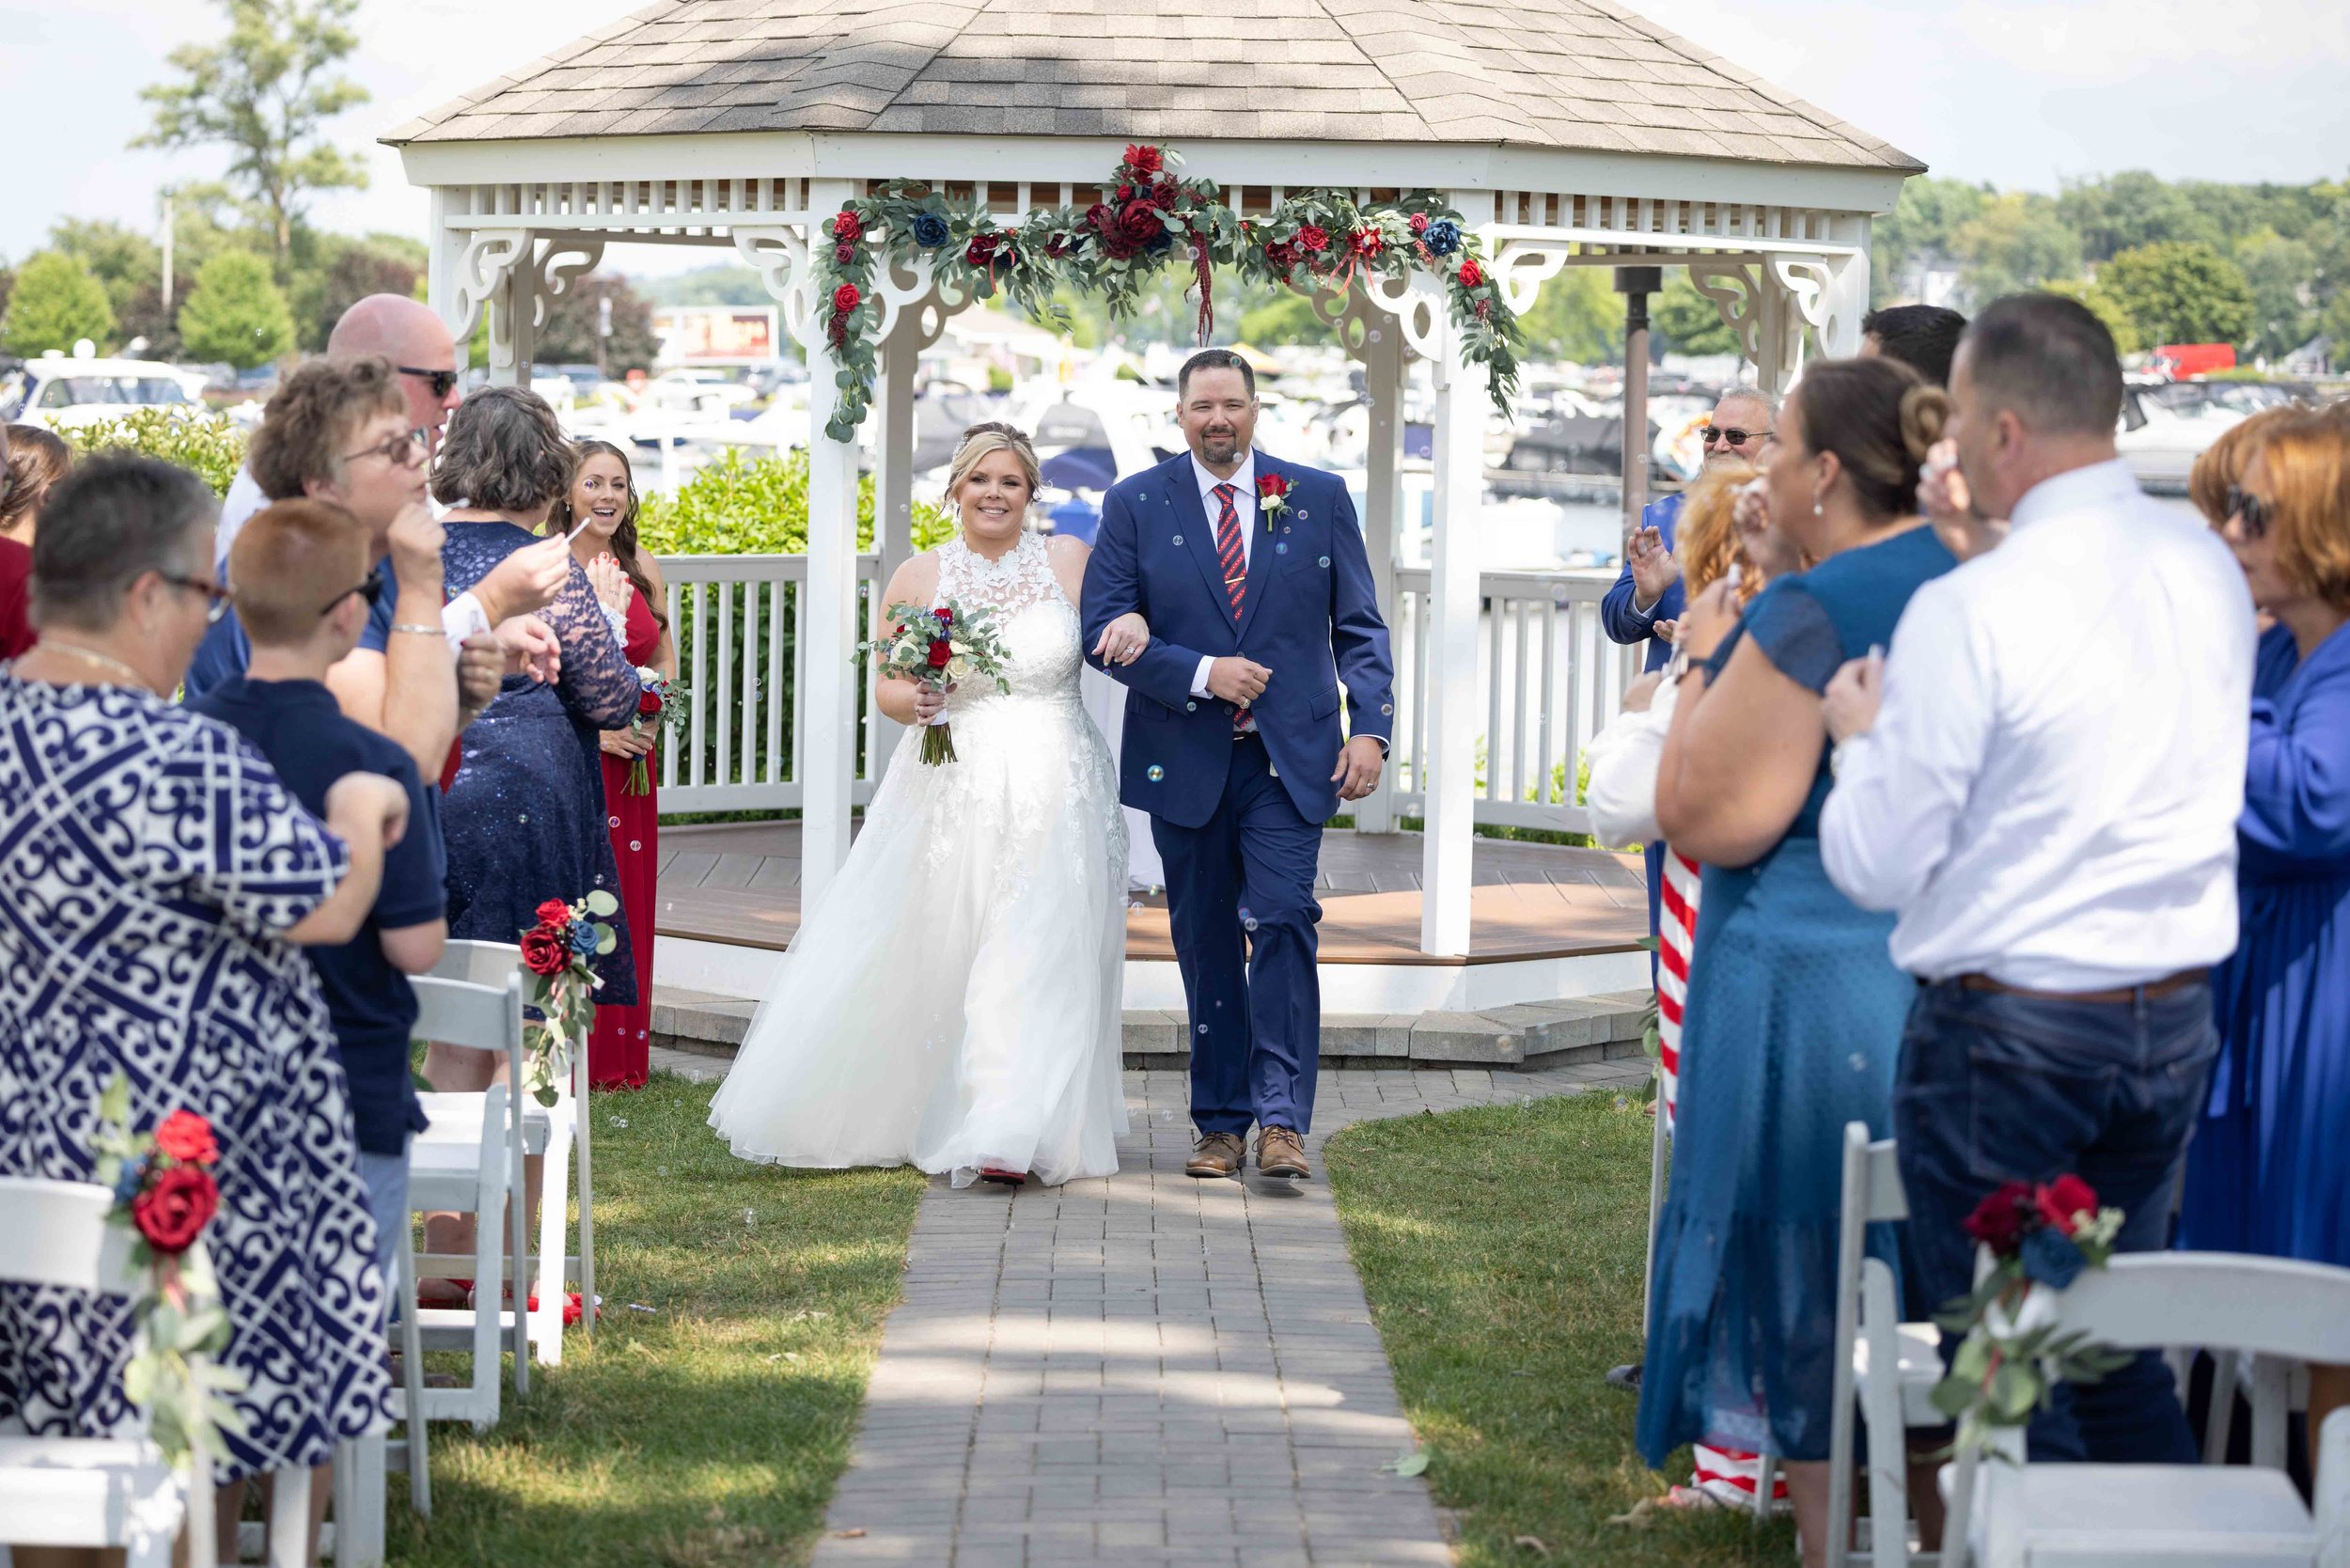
(1219, 446)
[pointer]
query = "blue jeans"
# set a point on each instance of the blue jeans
(385, 1177)
(1995, 1087)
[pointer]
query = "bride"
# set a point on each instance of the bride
(952, 1000)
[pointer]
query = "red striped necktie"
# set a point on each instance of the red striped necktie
(1235, 563)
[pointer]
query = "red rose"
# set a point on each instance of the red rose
(1419, 223)
(1313, 238)
(845, 299)
(1056, 246)
(846, 228)
(1282, 255)
(940, 653)
(1471, 273)
(175, 1208)
(647, 703)
(844, 253)
(1997, 1221)
(980, 251)
(1271, 487)
(1163, 194)
(1145, 160)
(946, 616)
(545, 953)
(1138, 225)
(1104, 220)
(186, 1137)
(2063, 1198)
(554, 913)
(1125, 193)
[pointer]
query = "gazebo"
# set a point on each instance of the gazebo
(1565, 132)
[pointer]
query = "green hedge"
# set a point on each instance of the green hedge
(210, 443)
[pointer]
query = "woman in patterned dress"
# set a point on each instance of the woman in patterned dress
(157, 884)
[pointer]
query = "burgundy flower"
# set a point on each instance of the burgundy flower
(1313, 239)
(175, 1208)
(1419, 223)
(980, 251)
(845, 299)
(1283, 256)
(1104, 220)
(946, 616)
(1126, 192)
(1139, 226)
(186, 1137)
(1471, 273)
(846, 228)
(1056, 246)
(1997, 1221)
(554, 913)
(1163, 194)
(1145, 161)
(2063, 1198)
(844, 253)
(647, 703)
(1484, 309)
(545, 953)
(940, 653)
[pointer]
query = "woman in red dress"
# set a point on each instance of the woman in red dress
(601, 505)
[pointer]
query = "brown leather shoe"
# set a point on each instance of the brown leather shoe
(1217, 1155)
(1280, 1154)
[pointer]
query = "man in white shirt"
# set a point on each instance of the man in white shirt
(2047, 799)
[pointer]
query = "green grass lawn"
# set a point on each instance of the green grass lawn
(1501, 1251)
(708, 1431)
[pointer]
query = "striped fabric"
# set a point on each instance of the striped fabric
(1725, 1474)
(1235, 562)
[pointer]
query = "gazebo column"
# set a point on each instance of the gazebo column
(1382, 355)
(1450, 744)
(919, 321)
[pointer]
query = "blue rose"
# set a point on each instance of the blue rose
(2050, 1257)
(133, 1178)
(582, 938)
(930, 231)
(1443, 236)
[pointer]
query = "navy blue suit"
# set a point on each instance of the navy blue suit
(1238, 820)
(1625, 624)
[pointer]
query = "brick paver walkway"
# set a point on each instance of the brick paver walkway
(1147, 1368)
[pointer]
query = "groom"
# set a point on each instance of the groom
(1253, 578)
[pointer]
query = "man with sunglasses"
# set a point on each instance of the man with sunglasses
(1647, 601)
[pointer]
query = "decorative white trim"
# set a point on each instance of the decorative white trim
(1523, 266)
(482, 270)
(560, 261)
(1416, 302)
(778, 252)
(1737, 296)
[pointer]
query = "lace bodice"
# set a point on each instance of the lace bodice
(1038, 625)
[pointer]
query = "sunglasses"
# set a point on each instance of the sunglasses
(1732, 436)
(371, 590)
(218, 595)
(407, 449)
(442, 382)
(2257, 513)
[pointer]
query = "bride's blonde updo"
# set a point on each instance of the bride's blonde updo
(982, 439)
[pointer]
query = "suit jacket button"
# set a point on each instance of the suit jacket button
(1326, 560)
(1191, 707)
(1179, 538)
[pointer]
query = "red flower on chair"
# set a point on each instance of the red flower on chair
(175, 1208)
(187, 1137)
(545, 953)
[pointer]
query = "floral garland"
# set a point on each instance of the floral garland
(2042, 1238)
(555, 952)
(164, 1189)
(1316, 239)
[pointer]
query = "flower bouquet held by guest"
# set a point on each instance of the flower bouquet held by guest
(951, 1000)
(599, 514)
(2268, 1169)
(1794, 1010)
(157, 859)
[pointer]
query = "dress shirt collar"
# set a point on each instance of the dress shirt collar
(2100, 484)
(1243, 478)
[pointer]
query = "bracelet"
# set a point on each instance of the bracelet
(419, 629)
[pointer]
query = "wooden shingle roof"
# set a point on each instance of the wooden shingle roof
(1581, 74)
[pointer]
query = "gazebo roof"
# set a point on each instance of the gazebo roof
(1570, 74)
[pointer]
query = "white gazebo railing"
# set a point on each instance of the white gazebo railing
(1547, 680)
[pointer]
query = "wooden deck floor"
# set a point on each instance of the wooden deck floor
(739, 884)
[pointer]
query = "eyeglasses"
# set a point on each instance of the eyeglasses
(371, 590)
(1732, 435)
(442, 382)
(205, 585)
(407, 449)
(2257, 513)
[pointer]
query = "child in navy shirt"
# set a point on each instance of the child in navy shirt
(304, 596)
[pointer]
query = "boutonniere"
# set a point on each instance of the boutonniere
(1273, 497)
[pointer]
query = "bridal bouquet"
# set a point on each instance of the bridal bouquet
(660, 704)
(938, 647)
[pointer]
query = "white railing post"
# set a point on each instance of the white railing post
(1451, 631)
(1383, 506)
(827, 695)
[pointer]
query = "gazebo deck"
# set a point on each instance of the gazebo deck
(740, 885)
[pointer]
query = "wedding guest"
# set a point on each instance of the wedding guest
(16, 556)
(2048, 804)
(1793, 1011)
(1922, 337)
(302, 589)
(37, 458)
(2268, 1169)
(160, 863)
(525, 820)
(601, 505)
(1646, 602)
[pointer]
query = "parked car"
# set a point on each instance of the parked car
(67, 391)
(709, 393)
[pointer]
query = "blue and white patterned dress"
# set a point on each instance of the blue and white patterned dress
(148, 859)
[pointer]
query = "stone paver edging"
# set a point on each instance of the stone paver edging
(1144, 1367)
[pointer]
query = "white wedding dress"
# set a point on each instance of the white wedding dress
(952, 1000)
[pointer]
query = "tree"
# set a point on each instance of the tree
(1286, 318)
(2130, 210)
(1687, 320)
(267, 92)
(2179, 292)
(55, 302)
(1919, 229)
(2017, 241)
(332, 272)
(1577, 317)
(2279, 273)
(569, 337)
(237, 313)
(2105, 308)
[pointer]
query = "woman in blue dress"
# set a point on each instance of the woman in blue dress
(525, 819)
(1794, 1017)
(2268, 1170)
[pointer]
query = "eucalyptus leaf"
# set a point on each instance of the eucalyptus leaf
(1415, 1463)
(605, 943)
(601, 902)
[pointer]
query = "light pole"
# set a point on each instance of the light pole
(1636, 283)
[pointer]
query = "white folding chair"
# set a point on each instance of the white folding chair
(107, 1492)
(469, 1160)
(2006, 1515)
(1891, 1366)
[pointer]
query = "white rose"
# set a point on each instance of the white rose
(958, 646)
(958, 668)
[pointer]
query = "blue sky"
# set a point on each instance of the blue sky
(2021, 92)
